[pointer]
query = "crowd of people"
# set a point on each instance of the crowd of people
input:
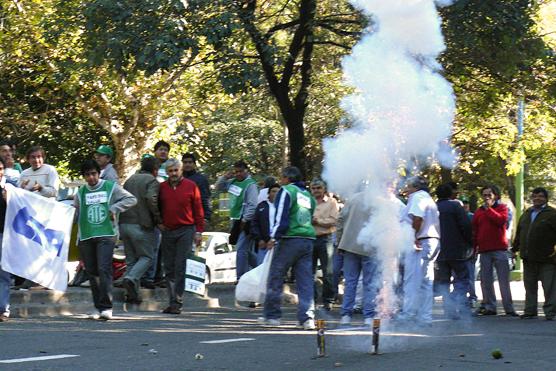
(161, 211)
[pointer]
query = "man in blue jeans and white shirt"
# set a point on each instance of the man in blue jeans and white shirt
(4, 276)
(292, 236)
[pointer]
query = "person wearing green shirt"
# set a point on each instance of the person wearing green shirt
(292, 236)
(243, 194)
(98, 203)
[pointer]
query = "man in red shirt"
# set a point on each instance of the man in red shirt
(489, 240)
(182, 223)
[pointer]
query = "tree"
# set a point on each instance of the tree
(252, 41)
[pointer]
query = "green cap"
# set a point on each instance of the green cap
(464, 199)
(105, 150)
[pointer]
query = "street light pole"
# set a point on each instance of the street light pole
(519, 176)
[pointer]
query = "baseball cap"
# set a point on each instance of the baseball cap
(105, 150)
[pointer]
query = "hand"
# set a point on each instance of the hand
(197, 239)
(270, 244)
(417, 246)
(262, 244)
(112, 216)
(36, 187)
(24, 183)
(489, 202)
(229, 174)
(4, 194)
(162, 227)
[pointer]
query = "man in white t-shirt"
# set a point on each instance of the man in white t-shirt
(40, 177)
(422, 214)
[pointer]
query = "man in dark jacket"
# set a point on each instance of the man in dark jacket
(263, 222)
(455, 249)
(190, 172)
(137, 226)
(536, 242)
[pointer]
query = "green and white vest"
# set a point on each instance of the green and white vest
(94, 212)
(236, 192)
(301, 212)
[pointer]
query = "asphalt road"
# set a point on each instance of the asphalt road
(152, 341)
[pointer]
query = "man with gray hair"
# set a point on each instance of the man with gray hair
(324, 222)
(421, 213)
(292, 236)
(182, 223)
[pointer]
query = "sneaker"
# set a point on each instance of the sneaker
(368, 322)
(309, 324)
(528, 316)
(4, 318)
(345, 320)
(512, 314)
(269, 321)
(106, 314)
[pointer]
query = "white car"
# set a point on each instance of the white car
(220, 257)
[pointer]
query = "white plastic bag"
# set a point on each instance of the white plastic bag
(252, 285)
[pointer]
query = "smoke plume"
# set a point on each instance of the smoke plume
(401, 113)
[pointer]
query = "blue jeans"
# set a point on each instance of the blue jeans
(245, 256)
(470, 263)
(454, 302)
(337, 267)
(96, 254)
(354, 264)
(4, 287)
(296, 253)
(260, 256)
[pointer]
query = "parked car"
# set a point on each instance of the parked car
(220, 257)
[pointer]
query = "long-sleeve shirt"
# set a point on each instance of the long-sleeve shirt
(489, 228)
(204, 187)
(109, 173)
(46, 176)
(144, 186)
(325, 216)
(181, 205)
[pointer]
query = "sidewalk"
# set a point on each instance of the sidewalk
(78, 300)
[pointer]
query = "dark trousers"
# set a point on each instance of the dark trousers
(533, 272)
(323, 249)
(96, 254)
(455, 302)
(176, 248)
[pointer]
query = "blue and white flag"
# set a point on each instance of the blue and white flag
(36, 238)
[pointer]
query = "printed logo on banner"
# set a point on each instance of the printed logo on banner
(195, 269)
(194, 286)
(29, 227)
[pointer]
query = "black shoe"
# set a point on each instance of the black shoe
(512, 314)
(485, 312)
(130, 289)
(549, 318)
(528, 316)
(172, 310)
(148, 285)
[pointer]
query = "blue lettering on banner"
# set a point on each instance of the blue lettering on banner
(29, 227)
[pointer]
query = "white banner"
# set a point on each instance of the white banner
(36, 238)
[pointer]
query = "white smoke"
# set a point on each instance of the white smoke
(402, 111)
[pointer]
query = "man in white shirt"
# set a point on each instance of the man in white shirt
(40, 177)
(422, 214)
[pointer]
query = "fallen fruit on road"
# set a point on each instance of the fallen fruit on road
(496, 354)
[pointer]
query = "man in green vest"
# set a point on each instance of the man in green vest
(292, 236)
(98, 203)
(243, 194)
